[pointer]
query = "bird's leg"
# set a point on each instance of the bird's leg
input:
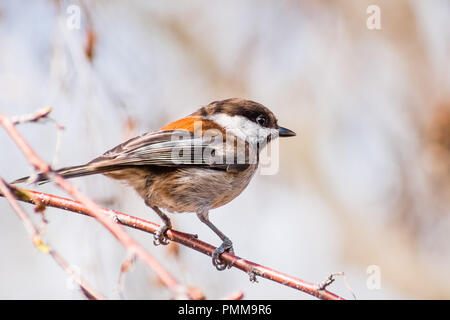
(160, 235)
(226, 246)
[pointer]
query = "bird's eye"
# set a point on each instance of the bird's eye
(261, 120)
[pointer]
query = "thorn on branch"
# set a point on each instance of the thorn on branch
(324, 284)
(328, 281)
(40, 210)
(252, 275)
(115, 218)
(40, 207)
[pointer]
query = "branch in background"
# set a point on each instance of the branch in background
(188, 240)
(34, 117)
(94, 210)
(87, 290)
(42, 114)
(238, 295)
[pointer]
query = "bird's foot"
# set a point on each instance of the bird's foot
(227, 246)
(160, 236)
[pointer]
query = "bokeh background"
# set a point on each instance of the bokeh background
(366, 182)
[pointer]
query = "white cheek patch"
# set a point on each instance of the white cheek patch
(243, 128)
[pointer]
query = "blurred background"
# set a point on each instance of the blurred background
(363, 188)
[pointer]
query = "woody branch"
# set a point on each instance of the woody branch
(188, 240)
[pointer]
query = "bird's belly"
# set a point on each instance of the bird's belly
(194, 189)
(186, 189)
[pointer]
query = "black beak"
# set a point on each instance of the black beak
(283, 132)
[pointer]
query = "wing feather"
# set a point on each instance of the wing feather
(168, 148)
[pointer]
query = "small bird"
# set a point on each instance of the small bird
(195, 164)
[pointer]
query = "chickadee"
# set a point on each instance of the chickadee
(195, 164)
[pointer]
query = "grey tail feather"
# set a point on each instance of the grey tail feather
(68, 172)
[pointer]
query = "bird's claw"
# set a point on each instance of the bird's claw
(160, 237)
(227, 246)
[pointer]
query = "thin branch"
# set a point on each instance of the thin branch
(238, 295)
(125, 267)
(42, 114)
(185, 239)
(34, 117)
(328, 281)
(87, 290)
(94, 210)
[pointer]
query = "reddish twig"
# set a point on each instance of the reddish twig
(42, 114)
(94, 210)
(238, 295)
(88, 291)
(38, 115)
(185, 239)
(331, 278)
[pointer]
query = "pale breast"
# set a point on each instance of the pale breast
(186, 189)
